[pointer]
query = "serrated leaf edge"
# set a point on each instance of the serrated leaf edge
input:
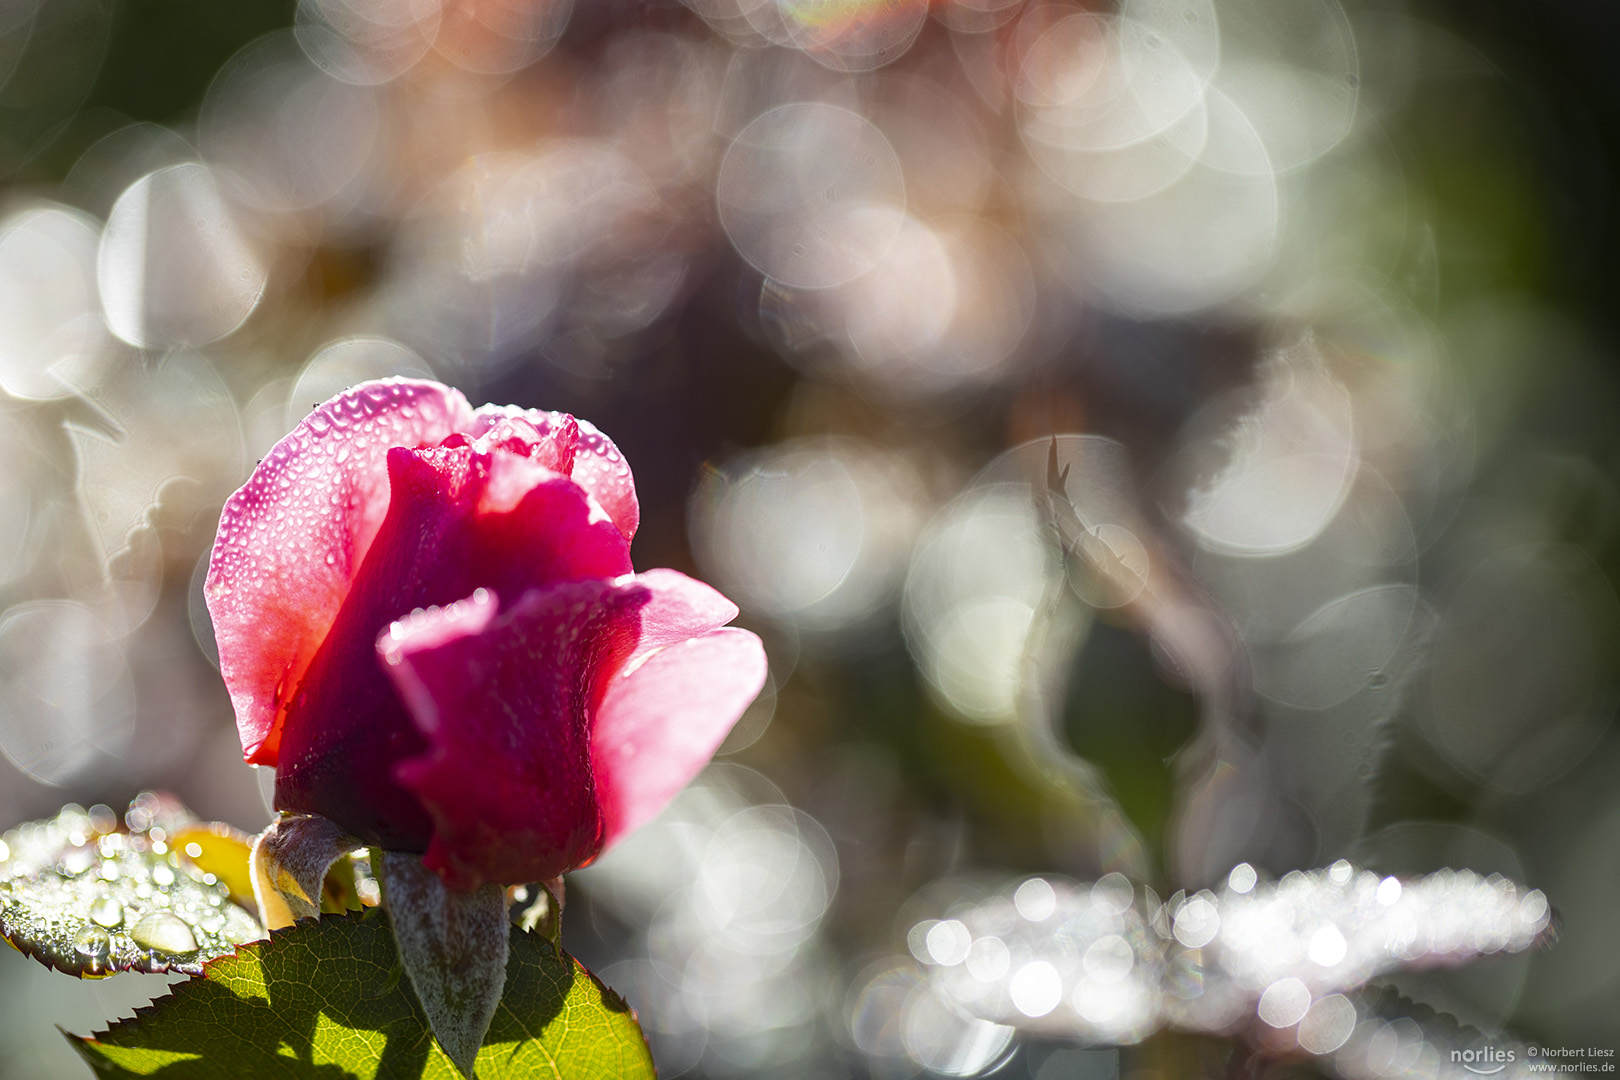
(611, 998)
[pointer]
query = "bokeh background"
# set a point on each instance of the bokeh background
(1317, 297)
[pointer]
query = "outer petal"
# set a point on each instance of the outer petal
(680, 608)
(660, 723)
(600, 469)
(503, 702)
(458, 520)
(292, 539)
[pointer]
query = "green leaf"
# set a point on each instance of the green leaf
(325, 999)
(91, 896)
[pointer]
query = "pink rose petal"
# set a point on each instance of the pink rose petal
(449, 532)
(659, 725)
(548, 438)
(680, 608)
(597, 465)
(293, 537)
(600, 469)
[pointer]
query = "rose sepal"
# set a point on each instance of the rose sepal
(453, 946)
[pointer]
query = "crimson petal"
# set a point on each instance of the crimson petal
(503, 701)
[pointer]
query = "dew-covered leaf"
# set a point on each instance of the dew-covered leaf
(1111, 963)
(326, 998)
(1378, 1032)
(91, 896)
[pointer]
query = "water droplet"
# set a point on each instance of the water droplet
(94, 944)
(162, 875)
(1377, 680)
(108, 912)
(164, 932)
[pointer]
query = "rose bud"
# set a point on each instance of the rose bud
(429, 625)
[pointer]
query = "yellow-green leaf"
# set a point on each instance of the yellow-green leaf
(325, 999)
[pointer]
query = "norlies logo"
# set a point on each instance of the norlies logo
(1486, 1061)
